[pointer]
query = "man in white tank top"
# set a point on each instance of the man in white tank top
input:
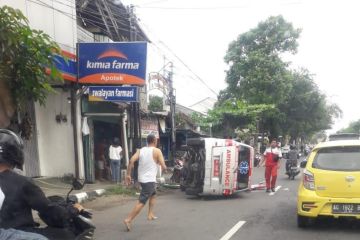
(149, 157)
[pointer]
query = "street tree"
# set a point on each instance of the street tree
(354, 127)
(258, 75)
(155, 103)
(233, 114)
(257, 72)
(25, 53)
(306, 110)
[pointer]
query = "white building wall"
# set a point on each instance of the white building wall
(57, 18)
(55, 140)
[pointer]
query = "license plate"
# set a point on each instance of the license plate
(346, 208)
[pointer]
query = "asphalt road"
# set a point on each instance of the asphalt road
(252, 216)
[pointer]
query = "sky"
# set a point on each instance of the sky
(199, 32)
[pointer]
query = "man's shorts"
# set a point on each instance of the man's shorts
(147, 190)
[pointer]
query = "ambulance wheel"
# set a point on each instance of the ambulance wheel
(303, 222)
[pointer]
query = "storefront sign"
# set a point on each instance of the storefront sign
(149, 126)
(113, 94)
(66, 64)
(112, 63)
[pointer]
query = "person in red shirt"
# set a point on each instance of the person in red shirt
(272, 156)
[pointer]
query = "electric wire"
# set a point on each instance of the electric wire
(72, 16)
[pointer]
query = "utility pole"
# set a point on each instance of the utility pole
(172, 112)
(135, 108)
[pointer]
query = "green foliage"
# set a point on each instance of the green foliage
(155, 103)
(202, 121)
(238, 109)
(120, 190)
(257, 73)
(24, 54)
(306, 108)
(233, 114)
(263, 93)
(354, 127)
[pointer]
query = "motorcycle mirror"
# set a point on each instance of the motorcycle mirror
(77, 185)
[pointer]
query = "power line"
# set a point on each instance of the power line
(197, 77)
(97, 20)
(143, 6)
(188, 68)
(152, 2)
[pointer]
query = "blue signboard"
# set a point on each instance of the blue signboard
(112, 63)
(66, 64)
(66, 67)
(113, 94)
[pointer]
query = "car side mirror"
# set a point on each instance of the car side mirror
(303, 164)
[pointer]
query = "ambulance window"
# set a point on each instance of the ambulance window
(244, 153)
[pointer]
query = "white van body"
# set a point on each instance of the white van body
(217, 167)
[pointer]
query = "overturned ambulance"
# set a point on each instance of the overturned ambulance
(216, 166)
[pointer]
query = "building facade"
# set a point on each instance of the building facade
(67, 129)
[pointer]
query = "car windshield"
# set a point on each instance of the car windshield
(338, 159)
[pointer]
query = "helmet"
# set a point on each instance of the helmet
(11, 149)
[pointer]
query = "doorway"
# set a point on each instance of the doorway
(106, 130)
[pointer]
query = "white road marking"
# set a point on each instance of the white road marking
(233, 230)
(286, 189)
(276, 189)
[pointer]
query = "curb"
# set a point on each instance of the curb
(86, 196)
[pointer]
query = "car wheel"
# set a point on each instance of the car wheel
(303, 222)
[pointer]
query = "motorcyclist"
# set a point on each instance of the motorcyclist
(21, 195)
(292, 159)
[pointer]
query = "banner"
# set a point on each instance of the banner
(112, 63)
(149, 126)
(66, 64)
(113, 94)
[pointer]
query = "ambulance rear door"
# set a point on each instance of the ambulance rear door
(246, 153)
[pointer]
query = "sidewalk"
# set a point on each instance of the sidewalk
(57, 186)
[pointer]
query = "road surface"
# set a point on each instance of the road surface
(252, 216)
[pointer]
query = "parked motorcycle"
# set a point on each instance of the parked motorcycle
(80, 225)
(177, 172)
(257, 159)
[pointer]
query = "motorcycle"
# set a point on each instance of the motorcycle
(177, 172)
(257, 159)
(292, 168)
(80, 225)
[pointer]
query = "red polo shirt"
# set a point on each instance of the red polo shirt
(270, 154)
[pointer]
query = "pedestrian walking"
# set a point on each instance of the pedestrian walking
(272, 156)
(149, 158)
(115, 153)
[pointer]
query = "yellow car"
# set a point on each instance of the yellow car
(331, 182)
